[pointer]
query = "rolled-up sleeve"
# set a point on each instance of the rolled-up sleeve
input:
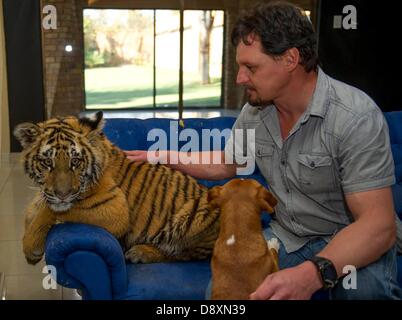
(240, 148)
(236, 148)
(365, 155)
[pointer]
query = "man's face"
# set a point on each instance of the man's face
(263, 76)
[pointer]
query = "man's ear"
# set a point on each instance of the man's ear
(291, 58)
(266, 200)
(94, 123)
(27, 133)
(214, 196)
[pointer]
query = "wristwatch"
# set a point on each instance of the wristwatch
(327, 271)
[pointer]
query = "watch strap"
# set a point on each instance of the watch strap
(326, 270)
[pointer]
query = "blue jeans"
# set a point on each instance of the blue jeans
(374, 282)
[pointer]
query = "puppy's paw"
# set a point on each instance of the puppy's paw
(273, 244)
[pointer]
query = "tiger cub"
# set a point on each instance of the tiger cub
(157, 213)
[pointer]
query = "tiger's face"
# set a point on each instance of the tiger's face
(64, 156)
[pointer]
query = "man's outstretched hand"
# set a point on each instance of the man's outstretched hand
(297, 283)
(150, 156)
(136, 155)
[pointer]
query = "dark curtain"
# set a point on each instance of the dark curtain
(22, 25)
(368, 57)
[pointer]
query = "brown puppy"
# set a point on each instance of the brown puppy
(241, 258)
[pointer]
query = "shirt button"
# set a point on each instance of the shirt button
(312, 164)
(283, 162)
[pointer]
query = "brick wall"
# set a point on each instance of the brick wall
(234, 96)
(63, 71)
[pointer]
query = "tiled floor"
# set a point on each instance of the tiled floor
(22, 281)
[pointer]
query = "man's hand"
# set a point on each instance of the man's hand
(151, 157)
(136, 155)
(297, 283)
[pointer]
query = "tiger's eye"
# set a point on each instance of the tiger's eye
(47, 162)
(75, 162)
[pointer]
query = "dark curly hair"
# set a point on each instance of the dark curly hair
(279, 26)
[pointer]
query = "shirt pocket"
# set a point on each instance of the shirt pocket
(264, 158)
(316, 173)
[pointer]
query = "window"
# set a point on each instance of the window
(132, 58)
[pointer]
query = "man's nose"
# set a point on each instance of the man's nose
(242, 77)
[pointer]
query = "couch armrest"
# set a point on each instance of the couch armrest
(87, 257)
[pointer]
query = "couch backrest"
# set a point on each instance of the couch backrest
(394, 120)
(132, 134)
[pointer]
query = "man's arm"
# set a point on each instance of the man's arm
(359, 244)
(208, 165)
(371, 235)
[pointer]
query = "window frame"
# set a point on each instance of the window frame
(180, 92)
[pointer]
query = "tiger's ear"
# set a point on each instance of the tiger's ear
(266, 200)
(94, 123)
(214, 196)
(27, 133)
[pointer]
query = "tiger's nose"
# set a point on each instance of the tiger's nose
(62, 195)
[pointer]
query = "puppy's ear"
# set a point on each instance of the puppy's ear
(266, 200)
(214, 196)
(27, 133)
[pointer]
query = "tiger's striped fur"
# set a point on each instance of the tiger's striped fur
(157, 213)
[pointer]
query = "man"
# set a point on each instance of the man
(324, 149)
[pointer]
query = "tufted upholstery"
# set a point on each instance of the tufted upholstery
(89, 258)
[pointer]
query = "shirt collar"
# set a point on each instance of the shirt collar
(319, 102)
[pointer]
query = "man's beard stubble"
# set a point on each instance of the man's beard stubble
(256, 102)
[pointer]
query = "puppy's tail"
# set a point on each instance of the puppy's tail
(273, 246)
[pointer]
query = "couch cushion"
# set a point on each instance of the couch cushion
(168, 281)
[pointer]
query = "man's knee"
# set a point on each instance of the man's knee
(377, 281)
(374, 291)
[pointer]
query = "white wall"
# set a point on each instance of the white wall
(4, 122)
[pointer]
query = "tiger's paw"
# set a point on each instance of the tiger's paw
(33, 249)
(34, 256)
(144, 254)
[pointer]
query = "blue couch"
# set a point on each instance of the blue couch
(89, 258)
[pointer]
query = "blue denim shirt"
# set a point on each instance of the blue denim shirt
(340, 145)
